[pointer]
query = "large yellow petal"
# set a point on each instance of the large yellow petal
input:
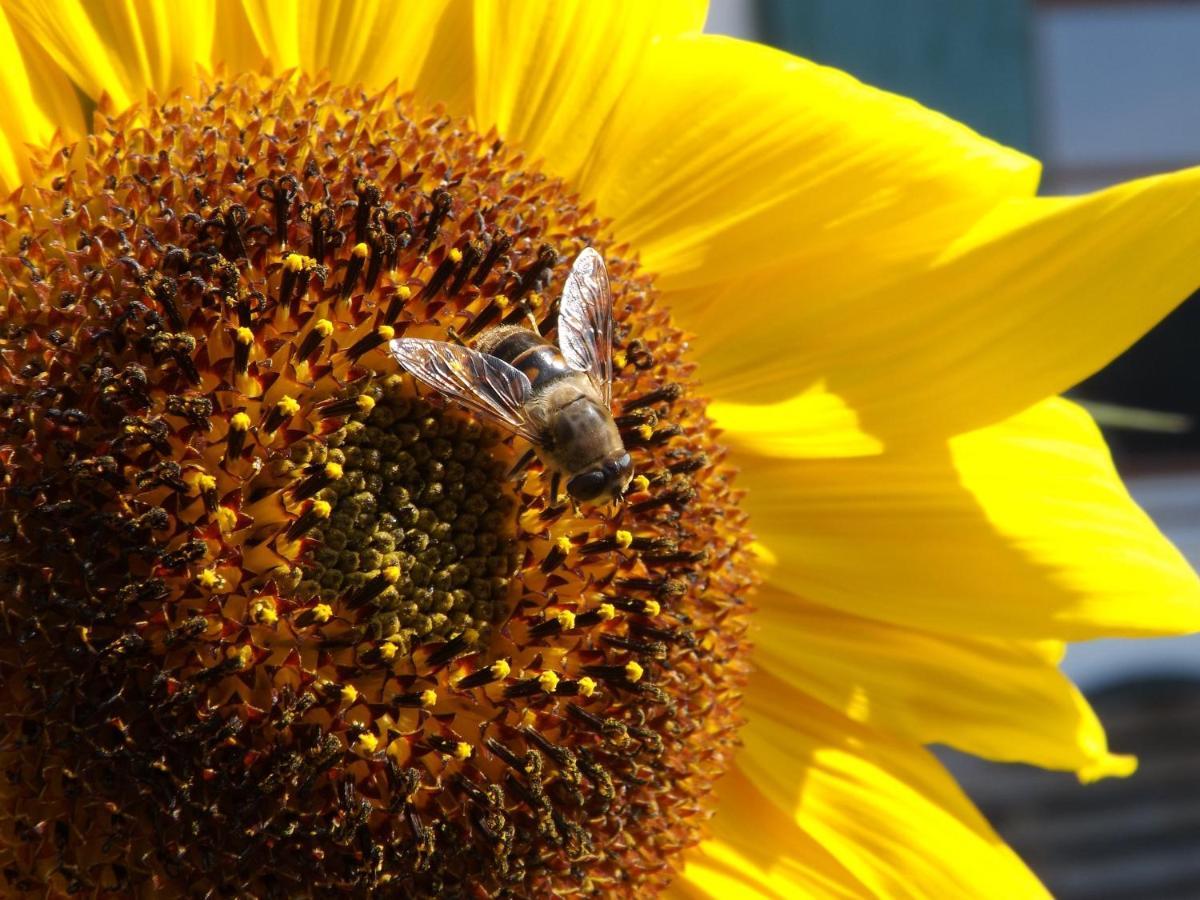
(814, 424)
(736, 862)
(254, 33)
(888, 820)
(38, 101)
(549, 74)
(1022, 529)
(1002, 699)
(125, 47)
(1033, 298)
(121, 48)
(422, 45)
(726, 158)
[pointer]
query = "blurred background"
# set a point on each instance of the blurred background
(1101, 91)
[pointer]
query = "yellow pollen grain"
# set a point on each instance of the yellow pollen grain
(366, 743)
(462, 751)
(288, 406)
(333, 470)
(365, 403)
(563, 544)
(239, 422)
(209, 579)
(391, 574)
(528, 718)
(242, 654)
(639, 483)
(226, 518)
(429, 698)
(205, 483)
(606, 611)
(263, 611)
(387, 332)
(587, 686)
(652, 608)
(322, 613)
(404, 292)
(386, 651)
(548, 681)
(362, 250)
(619, 359)
(293, 262)
(321, 509)
(565, 618)
(644, 432)
(633, 671)
(455, 255)
(323, 327)
(534, 300)
(245, 336)
(502, 301)
(623, 539)
(349, 694)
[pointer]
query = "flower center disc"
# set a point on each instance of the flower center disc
(274, 622)
(419, 520)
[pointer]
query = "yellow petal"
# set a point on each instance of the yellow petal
(447, 73)
(815, 424)
(422, 45)
(548, 74)
(726, 160)
(125, 48)
(253, 31)
(1037, 295)
(756, 851)
(879, 807)
(121, 48)
(1002, 699)
(1021, 530)
(39, 101)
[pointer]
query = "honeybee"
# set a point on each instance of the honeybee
(557, 398)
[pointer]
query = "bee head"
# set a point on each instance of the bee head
(607, 480)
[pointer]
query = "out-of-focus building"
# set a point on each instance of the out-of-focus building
(1116, 88)
(1102, 91)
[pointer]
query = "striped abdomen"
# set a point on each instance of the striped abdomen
(541, 362)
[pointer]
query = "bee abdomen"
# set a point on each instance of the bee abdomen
(541, 362)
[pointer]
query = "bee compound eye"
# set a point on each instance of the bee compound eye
(588, 486)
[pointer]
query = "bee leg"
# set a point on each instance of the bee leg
(555, 480)
(455, 337)
(522, 464)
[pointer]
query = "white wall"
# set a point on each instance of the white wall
(1116, 89)
(732, 17)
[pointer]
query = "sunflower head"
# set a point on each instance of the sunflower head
(276, 622)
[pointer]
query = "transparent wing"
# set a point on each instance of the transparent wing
(489, 387)
(585, 321)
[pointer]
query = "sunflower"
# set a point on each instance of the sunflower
(278, 623)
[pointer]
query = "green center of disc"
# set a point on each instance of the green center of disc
(421, 508)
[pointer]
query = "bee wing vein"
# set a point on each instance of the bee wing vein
(489, 387)
(585, 321)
